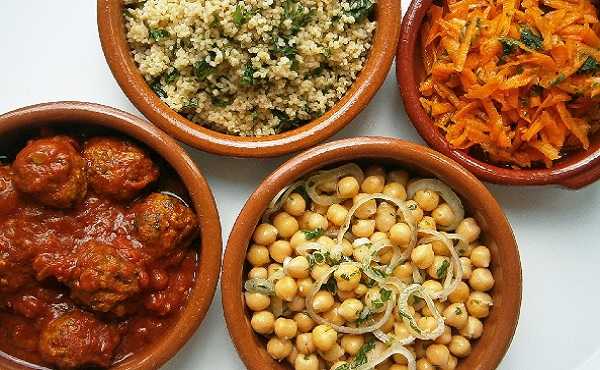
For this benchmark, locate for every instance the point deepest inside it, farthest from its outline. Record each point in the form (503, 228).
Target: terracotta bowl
(120, 60)
(499, 326)
(17, 126)
(576, 170)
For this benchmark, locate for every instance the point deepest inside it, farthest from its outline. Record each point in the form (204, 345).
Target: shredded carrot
(520, 79)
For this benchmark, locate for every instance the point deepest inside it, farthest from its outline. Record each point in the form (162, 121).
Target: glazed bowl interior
(178, 174)
(574, 170)
(120, 61)
(499, 327)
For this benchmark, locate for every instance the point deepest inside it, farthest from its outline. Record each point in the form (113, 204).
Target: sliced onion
(302, 249)
(409, 320)
(258, 285)
(280, 198)
(453, 276)
(391, 339)
(392, 350)
(314, 181)
(445, 192)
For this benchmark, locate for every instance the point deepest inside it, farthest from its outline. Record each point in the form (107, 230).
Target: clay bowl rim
(508, 272)
(575, 171)
(122, 65)
(209, 258)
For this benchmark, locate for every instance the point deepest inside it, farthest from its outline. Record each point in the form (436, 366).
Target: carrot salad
(519, 81)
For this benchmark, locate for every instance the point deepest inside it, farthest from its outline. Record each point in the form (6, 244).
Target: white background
(49, 51)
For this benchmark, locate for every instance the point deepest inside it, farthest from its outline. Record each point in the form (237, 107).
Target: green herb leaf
(385, 294)
(361, 357)
(241, 15)
(560, 78)
(313, 234)
(360, 9)
(590, 65)
(531, 39)
(331, 285)
(171, 76)
(248, 75)
(443, 269)
(285, 123)
(190, 105)
(202, 70)
(219, 102)
(158, 89)
(157, 34)
(364, 316)
(509, 45)
(457, 311)
(298, 14)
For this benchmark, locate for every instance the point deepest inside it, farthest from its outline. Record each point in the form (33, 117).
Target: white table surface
(49, 51)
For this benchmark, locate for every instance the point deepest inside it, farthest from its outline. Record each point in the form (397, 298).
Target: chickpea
(279, 250)
(399, 176)
(427, 222)
(422, 256)
(401, 359)
(323, 301)
(343, 295)
(350, 309)
(443, 215)
(361, 290)
(265, 234)
(460, 294)
(373, 184)
(305, 285)
(400, 330)
(437, 354)
(273, 269)
(306, 362)
(262, 322)
(292, 356)
(347, 277)
(400, 234)
(446, 336)
(319, 270)
(373, 295)
(428, 200)
(480, 256)
(439, 267)
(257, 301)
(473, 329)
(465, 264)
(305, 343)
(347, 187)
(363, 228)
(375, 170)
(415, 210)
(276, 305)
(316, 221)
(352, 343)
(322, 210)
(295, 204)
(404, 272)
(286, 288)
(298, 239)
(279, 348)
(361, 253)
(398, 367)
(297, 304)
(336, 214)
(258, 273)
(298, 267)
(423, 364)
(258, 255)
(439, 306)
(432, 286)
(468, 229)
(440, 248)
(347, 248)
(333, 354)
(326, 241)
(387, 326)
(367, 209)
(427, 323)
(385, 220)
(479, 304)
(333, 316)
(378, 235)
(395, 190)
(324, 337)
(285, 224)
(481, 279)
(456, 315)
(304, 322)
(465, 251)
(460, 346)
(452, 363)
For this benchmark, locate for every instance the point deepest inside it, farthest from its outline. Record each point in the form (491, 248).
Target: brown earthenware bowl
(78, 117)
(575, 170)
(499, 327)
(120, 60)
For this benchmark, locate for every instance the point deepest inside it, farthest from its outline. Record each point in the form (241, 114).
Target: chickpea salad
(250, 68)
(356, 269)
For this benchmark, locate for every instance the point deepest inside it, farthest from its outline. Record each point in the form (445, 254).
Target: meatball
(78, 339)
(101, 278)
(163, 223)
(51, 171)
(9, 198)
(117, 168)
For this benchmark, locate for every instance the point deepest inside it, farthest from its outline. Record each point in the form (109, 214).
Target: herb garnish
(313, 234)
(298, 14)
(457, 311)
(590, 65)
(443, 269)
(172, 75)
(331, 285)
(509, 45)
(385, 294)
(241, 15)
(157, 34)
(531, 39)
(248, 75)
(202, 69)
(157, 88)
(560, 78)
(360, 9)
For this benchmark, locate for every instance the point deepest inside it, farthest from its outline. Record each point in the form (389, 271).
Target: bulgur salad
(251, 67)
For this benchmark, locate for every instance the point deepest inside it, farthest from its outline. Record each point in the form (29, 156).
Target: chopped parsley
(202, 69)
(313, 234)
(457, 311)
(410, 321)
(360, 358)
(360, 9)
(190, 105)
(285, 122)
(509, 45)
(385, 294)
(364, 316)
(349, 276)
(331, 285)
(298, 14)
(590, 65)
(531, 39)
(248, 75)
(560, 78)
(219, 102)
(158, 34)
(171, 76)
(443, 269)
(158, 89)
(241, 15)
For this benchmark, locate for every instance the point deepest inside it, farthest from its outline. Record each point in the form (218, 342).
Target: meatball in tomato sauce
(51, 171)
(78, 339)
(118, 168)
(9, 198)
(163, 223)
